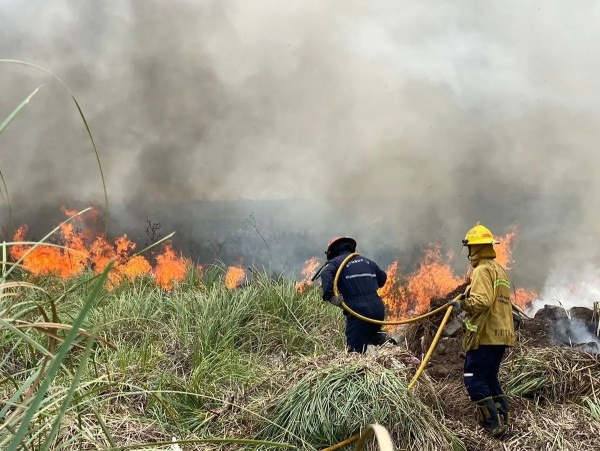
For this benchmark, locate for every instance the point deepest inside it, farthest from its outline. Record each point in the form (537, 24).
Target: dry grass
(552, 427)
(550, 409)
(552, 374)
(328, 399)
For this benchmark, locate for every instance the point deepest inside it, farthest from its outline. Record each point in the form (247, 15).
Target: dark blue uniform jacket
(360, 278)
(358, 284)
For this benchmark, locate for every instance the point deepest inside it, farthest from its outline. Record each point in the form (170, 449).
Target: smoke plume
(399, 122)
(571, 285)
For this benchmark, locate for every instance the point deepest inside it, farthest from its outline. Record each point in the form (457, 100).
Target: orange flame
(126, 266)
(523, 298)
(433, 279)
(234, 277)
(169, 268)
(46, 260)
(393, 293)
(310, 266)
(67, 212)
(83, 250)
(504, 248)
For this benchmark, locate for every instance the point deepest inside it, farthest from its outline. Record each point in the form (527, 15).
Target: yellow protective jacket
(488, 305)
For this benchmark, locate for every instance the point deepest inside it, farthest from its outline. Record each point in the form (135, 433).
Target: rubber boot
(503, 407)
(489, 416)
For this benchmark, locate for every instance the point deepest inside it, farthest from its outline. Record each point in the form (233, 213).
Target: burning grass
(197, 358)
(263, 359)
(410, 294)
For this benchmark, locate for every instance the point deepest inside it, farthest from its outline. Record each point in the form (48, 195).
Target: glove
(455, 304)
(337, 300)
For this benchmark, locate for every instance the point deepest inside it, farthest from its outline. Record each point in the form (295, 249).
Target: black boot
(489, 416)
(503, 407)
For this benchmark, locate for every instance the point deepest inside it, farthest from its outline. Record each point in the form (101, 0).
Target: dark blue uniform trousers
(481, 371)
(360, 333)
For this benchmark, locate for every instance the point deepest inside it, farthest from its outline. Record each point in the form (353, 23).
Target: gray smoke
(570, 286)
(402, 123)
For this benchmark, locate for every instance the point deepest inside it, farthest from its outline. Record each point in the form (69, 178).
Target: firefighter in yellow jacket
(489, 330)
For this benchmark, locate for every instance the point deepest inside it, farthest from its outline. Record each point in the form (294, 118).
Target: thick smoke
(402, 123)
(571, 286)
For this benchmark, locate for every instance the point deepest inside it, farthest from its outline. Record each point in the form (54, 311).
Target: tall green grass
(184, 362)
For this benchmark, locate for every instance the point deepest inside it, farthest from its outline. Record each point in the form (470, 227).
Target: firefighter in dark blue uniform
(358, 284)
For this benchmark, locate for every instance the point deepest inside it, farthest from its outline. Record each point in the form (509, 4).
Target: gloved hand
(455, 303)
(337, 301)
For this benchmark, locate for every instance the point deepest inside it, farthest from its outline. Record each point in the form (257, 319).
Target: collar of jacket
(342, 254)
(481, 252)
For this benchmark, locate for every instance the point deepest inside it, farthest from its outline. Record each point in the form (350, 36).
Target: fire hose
(425, 360)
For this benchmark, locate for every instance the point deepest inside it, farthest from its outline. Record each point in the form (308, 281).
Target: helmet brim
(478, 243)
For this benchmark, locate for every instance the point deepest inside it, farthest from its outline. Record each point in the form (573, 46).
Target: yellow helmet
(478, 235)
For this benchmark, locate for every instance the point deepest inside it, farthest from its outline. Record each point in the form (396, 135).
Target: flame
(46, 260)
(310, 266)
(433, 279)
(79, 249)
(169, 268)
(83, 249)
(135, 267)
(67, 212)
(393, 293)
(504, 248)
(234, 277)
(523, 298)
(127, 266)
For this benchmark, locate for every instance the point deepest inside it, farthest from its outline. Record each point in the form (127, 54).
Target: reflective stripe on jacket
(488, 307)
(361, 277)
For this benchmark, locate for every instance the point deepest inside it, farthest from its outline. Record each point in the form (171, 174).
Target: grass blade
(85, 122)
(16, 111)
(69, 397)
(4, 124)
(58, 360)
